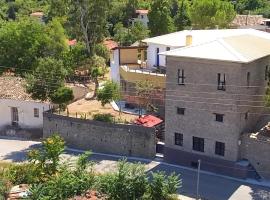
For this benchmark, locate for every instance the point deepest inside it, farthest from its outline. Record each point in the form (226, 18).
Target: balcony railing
(138, 69)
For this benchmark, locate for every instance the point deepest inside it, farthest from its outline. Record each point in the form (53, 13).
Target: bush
(23, 174)
(67, 183)
(47, 158)
(104, 117)
(162, 187)
(129, 182)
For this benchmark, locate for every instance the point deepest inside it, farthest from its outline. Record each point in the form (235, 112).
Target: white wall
(114, 63)
(152, 54)
(26, 113)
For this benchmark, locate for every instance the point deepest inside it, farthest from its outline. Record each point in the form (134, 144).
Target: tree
(211, 13)
(23, 42)
(160, 20)
(110, 92)
(62, 96)
(92, 18)
(102, 50)
(181, 19)
(127, 36)
(144, 90)
(46, 79)
(243, 6)
(97, 68)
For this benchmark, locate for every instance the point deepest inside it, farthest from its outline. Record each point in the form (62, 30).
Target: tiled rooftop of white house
(241, 48)
(12, 87)
(178, 39)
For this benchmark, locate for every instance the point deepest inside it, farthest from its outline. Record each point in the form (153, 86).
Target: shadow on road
(20, 156)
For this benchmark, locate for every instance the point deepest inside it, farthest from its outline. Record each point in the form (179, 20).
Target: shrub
(162, 187)
(22, 174)
(104, 117)
(67, 183)
(129, 182)
(47, 158)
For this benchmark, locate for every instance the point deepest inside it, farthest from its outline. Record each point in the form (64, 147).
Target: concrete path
(212, 187)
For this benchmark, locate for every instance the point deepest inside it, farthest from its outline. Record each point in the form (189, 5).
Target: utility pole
(198, 178)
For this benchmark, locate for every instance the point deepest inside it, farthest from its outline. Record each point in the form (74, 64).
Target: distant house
(257, 22)
(20, 115)
(142, 16)
(38, 15)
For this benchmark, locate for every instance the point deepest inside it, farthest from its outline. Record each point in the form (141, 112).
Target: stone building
(214, 94)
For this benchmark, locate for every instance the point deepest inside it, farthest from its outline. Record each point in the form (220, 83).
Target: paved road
(212, 187)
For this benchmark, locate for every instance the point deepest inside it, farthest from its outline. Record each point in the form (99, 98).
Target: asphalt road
(212, 187)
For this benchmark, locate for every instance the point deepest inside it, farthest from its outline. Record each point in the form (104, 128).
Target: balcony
(138, 72)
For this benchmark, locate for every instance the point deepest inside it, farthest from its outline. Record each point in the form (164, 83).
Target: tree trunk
(96, 87)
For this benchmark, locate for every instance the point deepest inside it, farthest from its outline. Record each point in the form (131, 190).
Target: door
(157, 59)
(14, 116)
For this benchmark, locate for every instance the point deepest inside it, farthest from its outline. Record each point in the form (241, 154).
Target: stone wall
(255, 147)
(126, 140)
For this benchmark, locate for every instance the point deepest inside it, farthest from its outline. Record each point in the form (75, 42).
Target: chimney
(188, 40)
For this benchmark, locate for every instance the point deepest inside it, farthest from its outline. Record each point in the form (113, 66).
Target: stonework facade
(217, 102)
(125, 140)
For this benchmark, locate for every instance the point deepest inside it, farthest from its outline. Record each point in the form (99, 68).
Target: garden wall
(126, 140)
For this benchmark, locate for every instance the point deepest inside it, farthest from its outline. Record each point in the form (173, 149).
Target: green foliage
(129, 182)
(162, 187)
(160, 20)
(206, 14)
(47, 158)
(110, 92)
(22, 174)
(127, 36)
(73, 57)
(103, 117)
(244, 6)
(62, 96)
(102, 51)
(89, 19)
(47, 78)
(181, 18)
(24, 42)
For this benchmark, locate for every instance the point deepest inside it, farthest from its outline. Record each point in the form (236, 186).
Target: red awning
(148, 121)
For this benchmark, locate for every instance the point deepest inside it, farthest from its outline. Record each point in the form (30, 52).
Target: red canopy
(148, 121)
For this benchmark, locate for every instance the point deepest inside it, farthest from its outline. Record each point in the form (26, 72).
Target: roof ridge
(231, 50)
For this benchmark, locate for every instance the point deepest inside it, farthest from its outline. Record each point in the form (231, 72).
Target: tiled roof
(140, 11)
(110, 44)
(12, 87)
(72, 42)
(37, 14)
(248, 20)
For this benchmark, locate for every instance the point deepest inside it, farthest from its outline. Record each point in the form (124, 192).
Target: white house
(19, 113)
(152, 59)
(142, 16)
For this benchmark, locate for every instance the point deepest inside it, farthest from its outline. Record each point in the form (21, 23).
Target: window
(180, 111)
(219, 117)
(220, 148)
(221, 82)
(157, 57)
(181, 77)
(142, 16)
(168, 48)
(198, 144)
(178, 139)
(248, 79)
(36, 112)
(246, 115)
(266, 73)
(14, 116)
